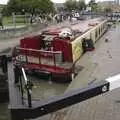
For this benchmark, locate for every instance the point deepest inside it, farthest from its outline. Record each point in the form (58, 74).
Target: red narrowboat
(54, 52)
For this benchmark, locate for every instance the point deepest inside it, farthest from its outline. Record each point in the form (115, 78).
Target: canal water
(4, 112)
(41, 90)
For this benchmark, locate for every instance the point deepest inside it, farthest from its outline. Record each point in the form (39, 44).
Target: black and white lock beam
(42, 107)
(114, 82)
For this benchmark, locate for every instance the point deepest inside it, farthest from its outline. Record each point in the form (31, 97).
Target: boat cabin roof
(82, 26)
(73, 30)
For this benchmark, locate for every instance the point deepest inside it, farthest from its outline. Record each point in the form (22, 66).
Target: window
(99, 31)
(96, 33)
(101, 28)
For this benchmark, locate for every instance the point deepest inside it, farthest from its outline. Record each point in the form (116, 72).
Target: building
(117, 2)
(110, 4)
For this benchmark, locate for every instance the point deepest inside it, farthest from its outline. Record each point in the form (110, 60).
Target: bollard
(4, 63)
(29, 98)
(29, 88)
(17, 74)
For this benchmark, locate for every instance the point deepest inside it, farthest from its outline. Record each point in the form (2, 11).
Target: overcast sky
(60, 1)
(56, 1)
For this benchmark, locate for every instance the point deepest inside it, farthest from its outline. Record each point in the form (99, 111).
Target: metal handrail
(28, 86)
(19, 72)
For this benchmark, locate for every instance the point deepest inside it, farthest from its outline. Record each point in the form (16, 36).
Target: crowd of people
(114, 16)
(60, 17)
(46, 18)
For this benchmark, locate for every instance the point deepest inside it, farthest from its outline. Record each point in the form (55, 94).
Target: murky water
(41, 90)
(4, 112)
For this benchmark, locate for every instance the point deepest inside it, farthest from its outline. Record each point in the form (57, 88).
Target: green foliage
(93, 5)
(1, 7)
(8, 21)
(5, 11)
(108, 9)
(74, 4)
(81, 4)
(70, 4)
(30, 6)
(92, 2)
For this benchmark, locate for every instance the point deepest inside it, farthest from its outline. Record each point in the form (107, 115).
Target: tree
(93, 5)
(75, 5)
(108, 9)
(81, 5)
(30, 6)
(70, 4)
(13, 6)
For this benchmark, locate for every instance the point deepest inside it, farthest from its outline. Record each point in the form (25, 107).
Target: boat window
(99, 31)
(101, 28)
(96, 33)
(91, 35)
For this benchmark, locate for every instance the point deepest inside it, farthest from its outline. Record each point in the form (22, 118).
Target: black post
(4, 63)
(21, 88)
(29, 98)
(17, 74)
(18, 80)
(29, 88)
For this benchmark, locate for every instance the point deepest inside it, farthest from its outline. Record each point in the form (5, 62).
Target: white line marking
(114, 82)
